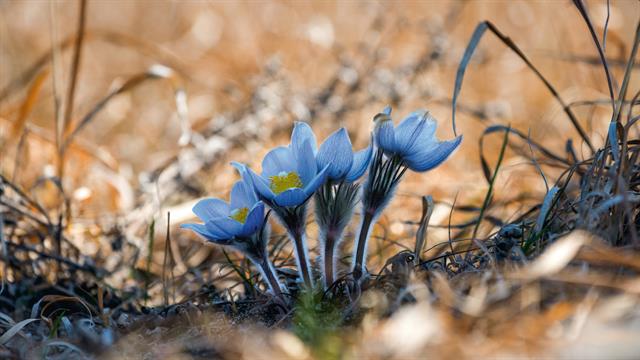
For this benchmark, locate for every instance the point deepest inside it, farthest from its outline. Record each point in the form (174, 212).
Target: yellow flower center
(284, 181)
(240, 215)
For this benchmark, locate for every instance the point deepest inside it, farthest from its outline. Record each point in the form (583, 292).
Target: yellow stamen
(284, 181)
(240, 215)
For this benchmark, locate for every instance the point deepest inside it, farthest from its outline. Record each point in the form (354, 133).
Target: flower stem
(329, 263)
(334, 209)
(302, 257)
(293, 219)
(361, 253)
(269, 274)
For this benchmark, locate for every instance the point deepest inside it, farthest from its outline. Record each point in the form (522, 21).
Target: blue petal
(242, 195)
(254, 221)
(209, 208)
(428, 159)
(426, 142)
(246, 172)
(361, 160)
(385, 136)
(246, 178)
(336, 152)
(291, 197)
(203, 231)
(301, 133)
(278, 160)
(412, 128)
(225, 226)
(317, 181)
(200, 229)
(306, 162)
(243, 171)
(261, 186)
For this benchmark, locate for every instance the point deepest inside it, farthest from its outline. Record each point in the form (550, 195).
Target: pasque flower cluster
(292, 175)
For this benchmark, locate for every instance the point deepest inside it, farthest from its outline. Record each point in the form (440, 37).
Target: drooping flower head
(335, 152)
(410, 145)
(413, 140)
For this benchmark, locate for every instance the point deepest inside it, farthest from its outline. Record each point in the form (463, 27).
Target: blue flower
(411, 145)
(223, 222)
(413, 140)
(289, 174)
(335, 199)
(241, 225)
(335, 152)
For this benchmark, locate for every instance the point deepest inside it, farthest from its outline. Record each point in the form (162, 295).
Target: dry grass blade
(75, 66)
(52, 299)
(151, 236)
(491, 180)
(421, 235)
(15, 329)
(556, 256)
(64, 344)
(600, 254)
(28, 103)
(547, 204)
(471, 46)
(154, 73)
(8, 321)
(606, 26)
(5, 254)
(111, 37)
(627, 76)
(167, 263)
(585, 15)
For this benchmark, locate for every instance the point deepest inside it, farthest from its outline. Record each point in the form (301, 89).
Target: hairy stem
(334, 209)
(302, 257)
(361, 253)
(269, 274)
(329, 263)
(293, 219)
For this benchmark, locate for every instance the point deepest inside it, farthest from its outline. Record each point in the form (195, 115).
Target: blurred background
(201, 83)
